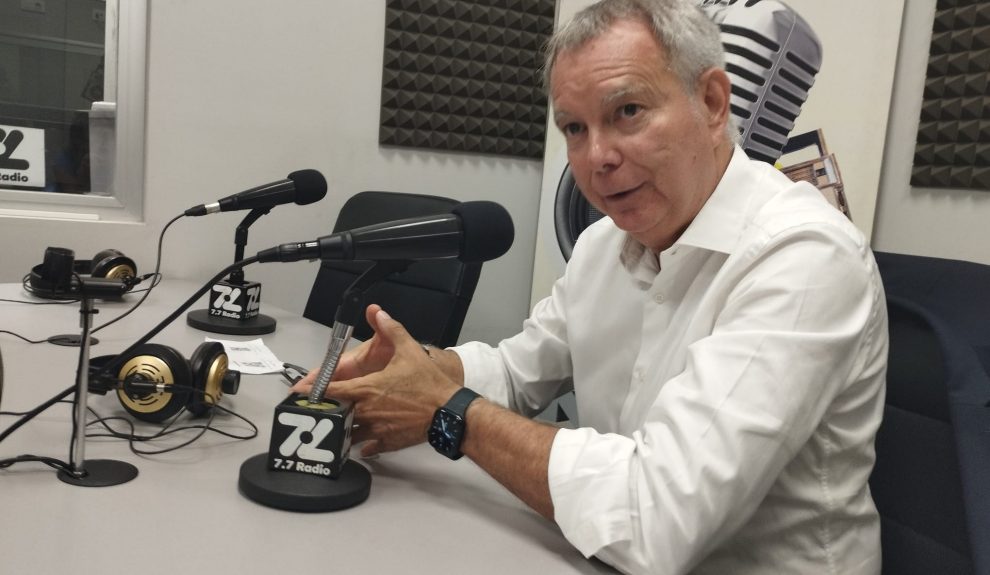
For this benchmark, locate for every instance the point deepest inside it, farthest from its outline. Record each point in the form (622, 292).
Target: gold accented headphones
(58, 275)
(157, 381)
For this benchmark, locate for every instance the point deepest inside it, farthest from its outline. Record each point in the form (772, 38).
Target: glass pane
(51, 73)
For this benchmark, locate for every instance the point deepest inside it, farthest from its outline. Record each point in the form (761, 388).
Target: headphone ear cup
(54, 274)
(211, 376)
(112, 264)
(159, 364)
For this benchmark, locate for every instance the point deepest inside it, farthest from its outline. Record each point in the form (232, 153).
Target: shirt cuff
(484, 371)
(589, 477)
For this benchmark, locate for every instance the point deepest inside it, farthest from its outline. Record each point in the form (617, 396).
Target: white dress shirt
(728, 390)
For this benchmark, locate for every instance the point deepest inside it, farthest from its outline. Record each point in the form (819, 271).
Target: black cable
(133, 438)
(28, 416)
(24, 281)
(156, 274)
(22, 337)
(49, 461)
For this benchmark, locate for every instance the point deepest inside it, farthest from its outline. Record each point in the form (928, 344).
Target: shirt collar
(717, 226)
(722, 219)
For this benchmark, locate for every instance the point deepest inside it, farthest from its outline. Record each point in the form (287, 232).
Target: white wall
(242, 92)
(921, 221)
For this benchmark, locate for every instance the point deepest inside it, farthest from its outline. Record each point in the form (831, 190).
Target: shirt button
(658, 298)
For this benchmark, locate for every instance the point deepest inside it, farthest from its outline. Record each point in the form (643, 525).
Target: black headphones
(155, 382)
(110, 273)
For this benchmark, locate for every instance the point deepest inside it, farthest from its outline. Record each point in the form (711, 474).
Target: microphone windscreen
(487, 230)
(311, 186)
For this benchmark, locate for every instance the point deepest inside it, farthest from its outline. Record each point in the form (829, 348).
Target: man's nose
(603, 152)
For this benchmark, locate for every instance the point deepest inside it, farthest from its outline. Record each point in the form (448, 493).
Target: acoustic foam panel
(465, 75)
(953, 146)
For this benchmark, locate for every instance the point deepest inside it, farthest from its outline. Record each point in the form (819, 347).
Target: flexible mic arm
(240, 240)
(348, 312)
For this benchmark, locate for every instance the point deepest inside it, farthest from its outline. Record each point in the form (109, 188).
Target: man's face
(642, 150)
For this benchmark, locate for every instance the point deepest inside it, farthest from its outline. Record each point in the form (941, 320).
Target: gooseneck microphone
(472, 232)
(302, 187)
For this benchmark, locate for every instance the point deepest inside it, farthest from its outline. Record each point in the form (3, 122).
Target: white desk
(184, 514)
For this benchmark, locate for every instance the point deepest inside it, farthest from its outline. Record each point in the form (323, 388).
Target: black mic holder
(239, 300)
(316, 475)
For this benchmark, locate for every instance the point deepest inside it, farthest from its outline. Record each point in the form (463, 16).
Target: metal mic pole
(96, 472)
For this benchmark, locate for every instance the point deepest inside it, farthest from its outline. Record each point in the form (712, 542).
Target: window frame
(125, 72)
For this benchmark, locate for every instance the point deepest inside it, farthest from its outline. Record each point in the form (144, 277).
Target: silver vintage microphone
(772, 56)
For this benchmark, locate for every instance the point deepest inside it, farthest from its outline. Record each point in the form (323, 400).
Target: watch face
(446, 432)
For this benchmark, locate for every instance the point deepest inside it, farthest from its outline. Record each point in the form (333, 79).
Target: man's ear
(713, 93)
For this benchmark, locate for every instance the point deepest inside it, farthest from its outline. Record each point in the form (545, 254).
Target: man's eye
(571, 129)
(629, 110)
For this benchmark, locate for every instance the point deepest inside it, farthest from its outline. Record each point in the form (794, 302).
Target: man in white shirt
(724, 331)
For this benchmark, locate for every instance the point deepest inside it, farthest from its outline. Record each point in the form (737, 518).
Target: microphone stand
(294, 491)
(246, 300)
(95, 472)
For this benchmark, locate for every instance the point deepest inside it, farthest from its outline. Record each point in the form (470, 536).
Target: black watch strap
(459, 402)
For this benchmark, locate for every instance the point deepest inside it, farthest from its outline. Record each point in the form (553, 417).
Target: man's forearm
(509, 447)
(512, 449)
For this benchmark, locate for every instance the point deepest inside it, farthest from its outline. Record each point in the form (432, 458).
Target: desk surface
(184, 513)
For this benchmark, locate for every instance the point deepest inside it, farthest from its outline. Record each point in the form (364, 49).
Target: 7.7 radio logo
(235, 300)
(22, 157)
(308, 434)
(10, 141)
(311, 438)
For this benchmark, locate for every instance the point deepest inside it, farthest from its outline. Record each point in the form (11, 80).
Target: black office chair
(430, 298)
(916, 483)
(932, 479)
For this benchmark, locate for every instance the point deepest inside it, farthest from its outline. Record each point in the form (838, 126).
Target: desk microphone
(311, 435)
(302, 187)
(472, 232)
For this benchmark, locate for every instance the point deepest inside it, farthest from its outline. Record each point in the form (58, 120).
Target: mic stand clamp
(235, 303)
(95, 472)
(307, 466)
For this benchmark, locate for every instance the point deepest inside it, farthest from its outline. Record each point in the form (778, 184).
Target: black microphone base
(70, 340)
(101, 473)
(259, 324)
(300, 492)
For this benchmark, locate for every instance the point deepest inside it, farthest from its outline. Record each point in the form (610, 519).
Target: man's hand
(371, 356)
(394, 405)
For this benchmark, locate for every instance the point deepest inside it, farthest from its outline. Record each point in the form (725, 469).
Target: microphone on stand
(307, 467)
(302, 187)
(235, 303)
(472, 232)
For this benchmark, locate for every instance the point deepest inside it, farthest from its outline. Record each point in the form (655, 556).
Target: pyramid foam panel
(953, 144)
(464, 75)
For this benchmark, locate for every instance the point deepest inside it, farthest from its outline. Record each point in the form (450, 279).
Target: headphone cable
(155, 274)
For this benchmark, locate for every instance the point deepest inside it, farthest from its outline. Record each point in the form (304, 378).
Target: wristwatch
(447, 430)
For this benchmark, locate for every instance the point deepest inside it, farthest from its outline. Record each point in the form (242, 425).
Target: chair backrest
(917, 484)
(430, 298)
